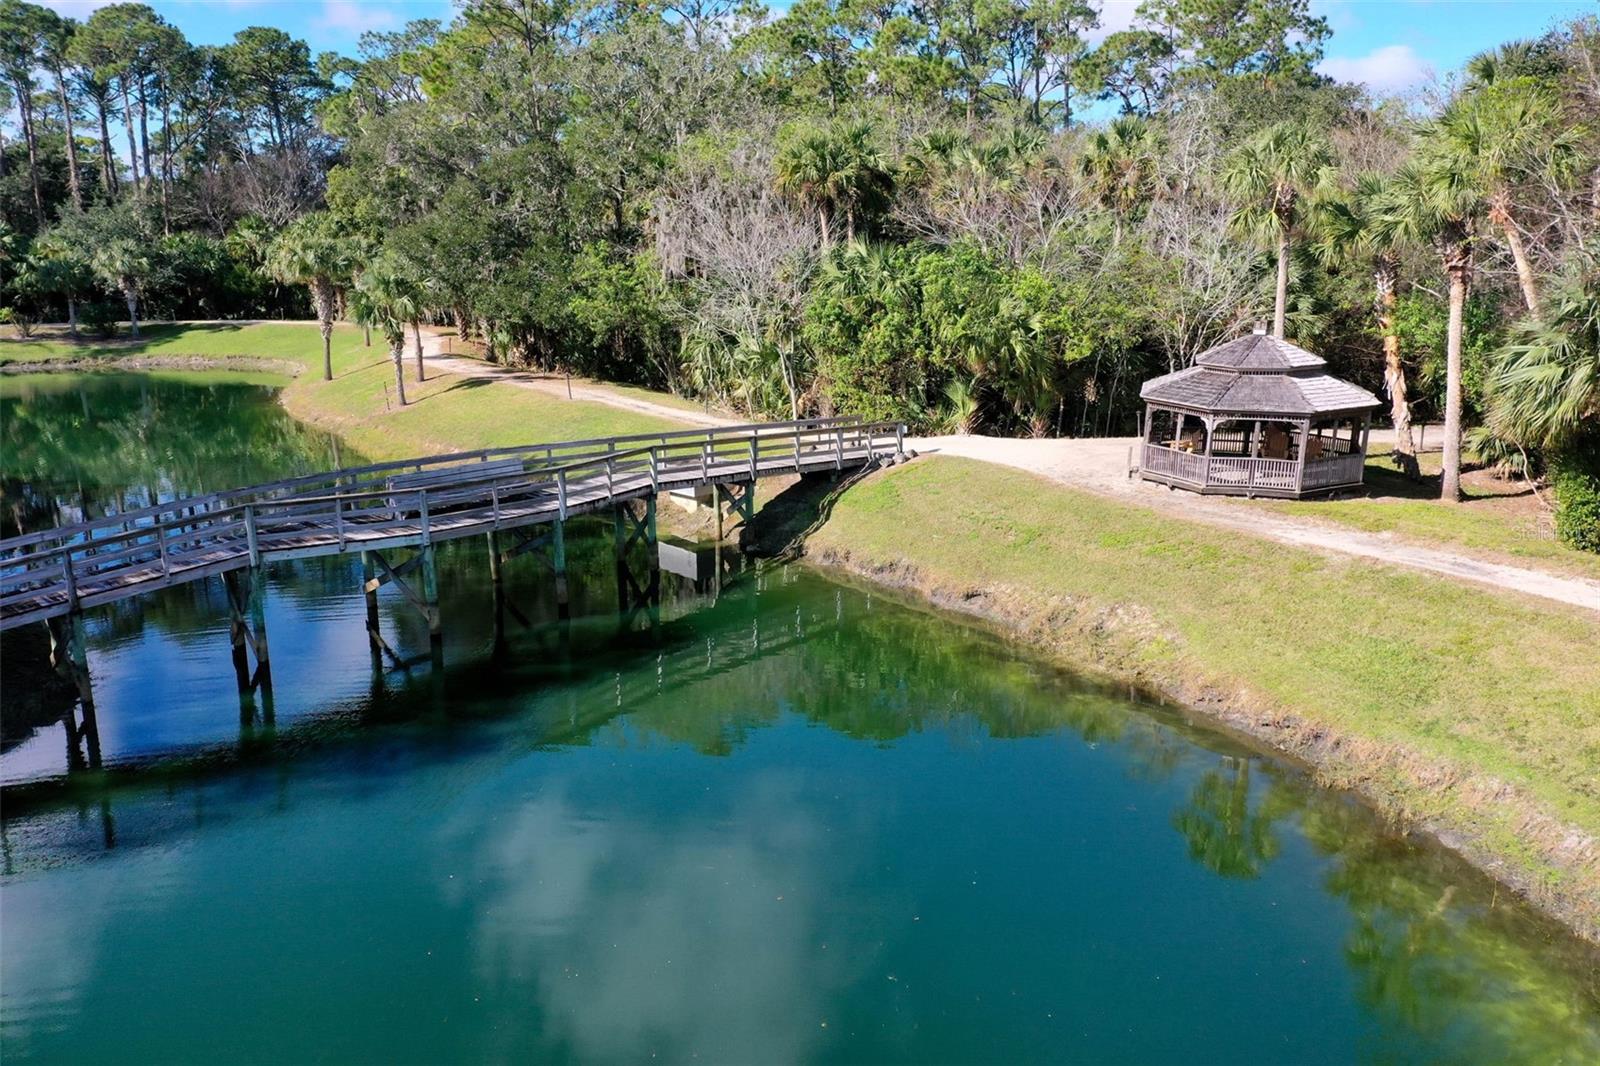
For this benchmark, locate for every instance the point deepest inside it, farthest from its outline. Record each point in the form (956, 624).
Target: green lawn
(1434, 681)
(447, 413)
(1488, 523)
(294, 341)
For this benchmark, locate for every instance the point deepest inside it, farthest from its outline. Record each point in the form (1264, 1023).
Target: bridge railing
(533, 457)
(319, 514)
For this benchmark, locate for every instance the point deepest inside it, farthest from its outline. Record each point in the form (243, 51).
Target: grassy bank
(448, 412)
(1474, 712)
(1497, 520)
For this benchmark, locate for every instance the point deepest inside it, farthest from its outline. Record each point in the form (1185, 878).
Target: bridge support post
(740, 503)
(70, 657)
(377, 572)
(634, 595)
(369, 589)
(248, 632)
(430, 594)
(258, 619)
(558, 563)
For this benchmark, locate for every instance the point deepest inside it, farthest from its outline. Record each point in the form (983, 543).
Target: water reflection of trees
(1227, 833)
(1431, 938)
(104, 440)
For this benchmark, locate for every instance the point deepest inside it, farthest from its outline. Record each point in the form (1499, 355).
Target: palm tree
(122, 264)
(383, 298)
(1349, 229)
(1545, 388)
(865, 180)
(806, 169)
(1270, 175)
(1503, 131)
(1432, 200)
(839, 170)
(930, 154)
(58, 268)
(309, 252)
(1119, 164)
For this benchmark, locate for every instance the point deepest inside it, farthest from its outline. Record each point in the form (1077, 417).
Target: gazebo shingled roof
(1258, 374)
(1254, 383)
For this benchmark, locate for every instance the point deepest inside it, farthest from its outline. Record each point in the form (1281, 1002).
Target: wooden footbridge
(519, 498)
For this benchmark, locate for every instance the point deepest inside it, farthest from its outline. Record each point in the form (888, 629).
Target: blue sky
(1388, 44)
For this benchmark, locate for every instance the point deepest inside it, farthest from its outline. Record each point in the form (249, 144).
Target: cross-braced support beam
(549, 544)
(637, 592)
(248, 629)
(69, 656)
(739, 500)
(377, 571)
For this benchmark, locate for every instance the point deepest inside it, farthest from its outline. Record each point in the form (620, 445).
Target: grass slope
(1426, 683)
(1488, 523)
(447, 412)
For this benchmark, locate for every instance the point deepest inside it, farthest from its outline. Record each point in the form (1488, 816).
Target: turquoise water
(792, 822)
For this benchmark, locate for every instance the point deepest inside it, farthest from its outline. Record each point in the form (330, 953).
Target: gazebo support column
(1300, 457)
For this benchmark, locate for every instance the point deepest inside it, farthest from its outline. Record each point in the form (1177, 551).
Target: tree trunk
(72, 143)
(1280, 306)
(1519, 256)
(397, 352)
(366, 335)
(133, 142)
(72, 317)
(108, 175)
(166, 161)
(1394, 373)
(416, 335)
(25, 112)
(144, 134)
(132, 298)
(325, 299)
(822, 216)
(1450, 484)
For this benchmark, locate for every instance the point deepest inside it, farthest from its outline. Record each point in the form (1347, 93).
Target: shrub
(1575, 475)
(100, 317)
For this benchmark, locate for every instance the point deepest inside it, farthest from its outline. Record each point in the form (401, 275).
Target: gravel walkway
(1101, 465)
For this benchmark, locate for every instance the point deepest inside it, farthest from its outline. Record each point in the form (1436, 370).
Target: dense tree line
(890, 208)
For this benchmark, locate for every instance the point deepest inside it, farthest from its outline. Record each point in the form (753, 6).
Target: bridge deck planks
(199, 542)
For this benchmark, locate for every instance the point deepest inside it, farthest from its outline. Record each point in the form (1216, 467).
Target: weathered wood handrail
(46, 573)
(377, 471)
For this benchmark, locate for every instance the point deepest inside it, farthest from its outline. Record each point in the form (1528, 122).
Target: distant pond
(793, 821)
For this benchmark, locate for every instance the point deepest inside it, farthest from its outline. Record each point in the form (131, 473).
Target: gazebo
(1255, 416)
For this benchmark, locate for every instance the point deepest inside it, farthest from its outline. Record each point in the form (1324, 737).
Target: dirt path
(1102, 466)
(557, 385)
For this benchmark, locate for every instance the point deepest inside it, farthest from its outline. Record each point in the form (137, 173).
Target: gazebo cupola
(1255, 416)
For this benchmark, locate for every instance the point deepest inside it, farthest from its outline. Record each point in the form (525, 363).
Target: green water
(792, 822)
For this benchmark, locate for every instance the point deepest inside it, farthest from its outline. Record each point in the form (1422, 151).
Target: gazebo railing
(1339, 470)
(1251, 473)
(1173, 462)
(1244, 474)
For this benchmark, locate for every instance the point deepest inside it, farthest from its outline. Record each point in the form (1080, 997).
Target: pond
(793, 821)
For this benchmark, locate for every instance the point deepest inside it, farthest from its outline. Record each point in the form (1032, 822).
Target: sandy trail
(1101, 465)
(557, 385)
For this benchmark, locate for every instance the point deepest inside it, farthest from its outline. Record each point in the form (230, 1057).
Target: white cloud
(77, 9)
(1114, 15)
(355, 16)
(1392, 68)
